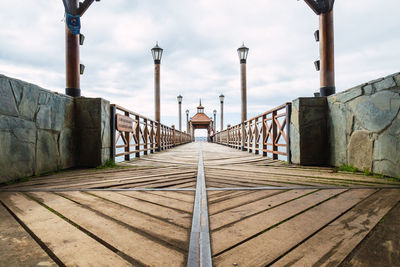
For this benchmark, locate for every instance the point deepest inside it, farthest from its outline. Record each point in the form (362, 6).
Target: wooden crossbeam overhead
(320, 6)
(73, 9)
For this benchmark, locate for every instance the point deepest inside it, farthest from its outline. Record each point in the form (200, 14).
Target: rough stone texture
(94, 144)
(308, 131)
(42, 131)
(360, 150)
(364, 131)
(362, 128)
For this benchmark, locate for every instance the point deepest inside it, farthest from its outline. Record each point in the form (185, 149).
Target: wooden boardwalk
(261, 212)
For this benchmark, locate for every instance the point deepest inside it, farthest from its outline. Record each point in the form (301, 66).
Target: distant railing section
(132, 133)
(265, 133)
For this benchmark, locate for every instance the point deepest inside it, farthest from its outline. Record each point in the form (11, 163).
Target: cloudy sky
(200, 39)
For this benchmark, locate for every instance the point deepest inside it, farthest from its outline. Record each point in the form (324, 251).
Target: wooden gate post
(274, 135)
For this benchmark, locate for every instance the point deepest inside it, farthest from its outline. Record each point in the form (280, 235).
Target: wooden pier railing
(132, 133)
(265, 133)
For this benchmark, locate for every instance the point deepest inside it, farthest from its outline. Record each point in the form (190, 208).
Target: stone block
(397, 79)
(89, 147)
(376, 112)
(368, 89)
(308, 131)
(58, 106)
(8, 105)
(347, 95)
(48, 155)
(67, 145)
(43, 117)
(337, 133)
(29, 99)
(17, 148)
(88, 112)
(360, 150)
(386, 83)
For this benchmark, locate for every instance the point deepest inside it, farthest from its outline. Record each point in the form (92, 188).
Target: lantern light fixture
(157, 53)
(243, 52)
(221, 98)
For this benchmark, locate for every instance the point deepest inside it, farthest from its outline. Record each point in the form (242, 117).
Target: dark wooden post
(137, 154)
(72, 70)
(324, 8)
(128, 144)
(152, 138)
(264, 135)
(243, 135)
(113, 111)
(274, 135)
(72, 62)
(173, 136)
(256, 135)
(288, 114)
(327, 58)
(145, 136)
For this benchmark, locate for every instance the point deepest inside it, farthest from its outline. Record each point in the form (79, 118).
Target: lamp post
(243, 52)
(179, 97)
(157, 54)
(74, 10)
(324, 8)
(221, 99)
(215, 120)
(187, 121)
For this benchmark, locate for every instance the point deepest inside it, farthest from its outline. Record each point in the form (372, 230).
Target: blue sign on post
(73, 23)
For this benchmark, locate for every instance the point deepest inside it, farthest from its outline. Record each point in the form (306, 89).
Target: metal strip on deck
(199, 246)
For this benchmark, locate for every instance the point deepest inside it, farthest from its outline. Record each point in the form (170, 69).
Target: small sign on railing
(124, 123)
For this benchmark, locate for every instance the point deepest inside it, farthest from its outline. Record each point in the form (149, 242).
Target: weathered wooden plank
(180, 218)
(278, 240)
(17, 247)
(237, 213)
(71, 246)
(133, 244)
(331, 245)
(227, 237)
(163, 230)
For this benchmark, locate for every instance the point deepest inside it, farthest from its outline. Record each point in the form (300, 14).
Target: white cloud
(200, 39)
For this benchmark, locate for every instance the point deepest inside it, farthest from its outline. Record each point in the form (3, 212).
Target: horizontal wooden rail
(132, 133)
(266, 133)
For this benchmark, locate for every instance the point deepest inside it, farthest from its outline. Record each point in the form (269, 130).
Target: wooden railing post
(145, 136)
(288, 114)
(264, 135)
(256, 137)
(274, 135)
(128, 145)
(173, 136)
(137, 154)
(251, 136)
(158, 136)
(113, 111)
(244, 136)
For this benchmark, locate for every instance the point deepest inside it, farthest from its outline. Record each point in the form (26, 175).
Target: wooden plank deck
(261, 212)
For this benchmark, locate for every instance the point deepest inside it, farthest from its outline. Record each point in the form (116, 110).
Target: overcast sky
(200, 39)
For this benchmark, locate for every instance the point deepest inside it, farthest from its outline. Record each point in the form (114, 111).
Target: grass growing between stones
(108, 164)
(348, 168)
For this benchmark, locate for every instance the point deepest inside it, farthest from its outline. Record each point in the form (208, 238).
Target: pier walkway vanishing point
(201, 204)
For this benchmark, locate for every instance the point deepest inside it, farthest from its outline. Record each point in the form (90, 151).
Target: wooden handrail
(147, 136)
(262, 134)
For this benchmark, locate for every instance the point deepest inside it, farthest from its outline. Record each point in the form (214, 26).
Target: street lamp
(179, 97)
(215, 120)
(221, 99)
(243, 51)
(157, 54)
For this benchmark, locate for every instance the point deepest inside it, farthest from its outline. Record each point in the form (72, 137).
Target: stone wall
(43, 131)
(364, 126)
(358, 127)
